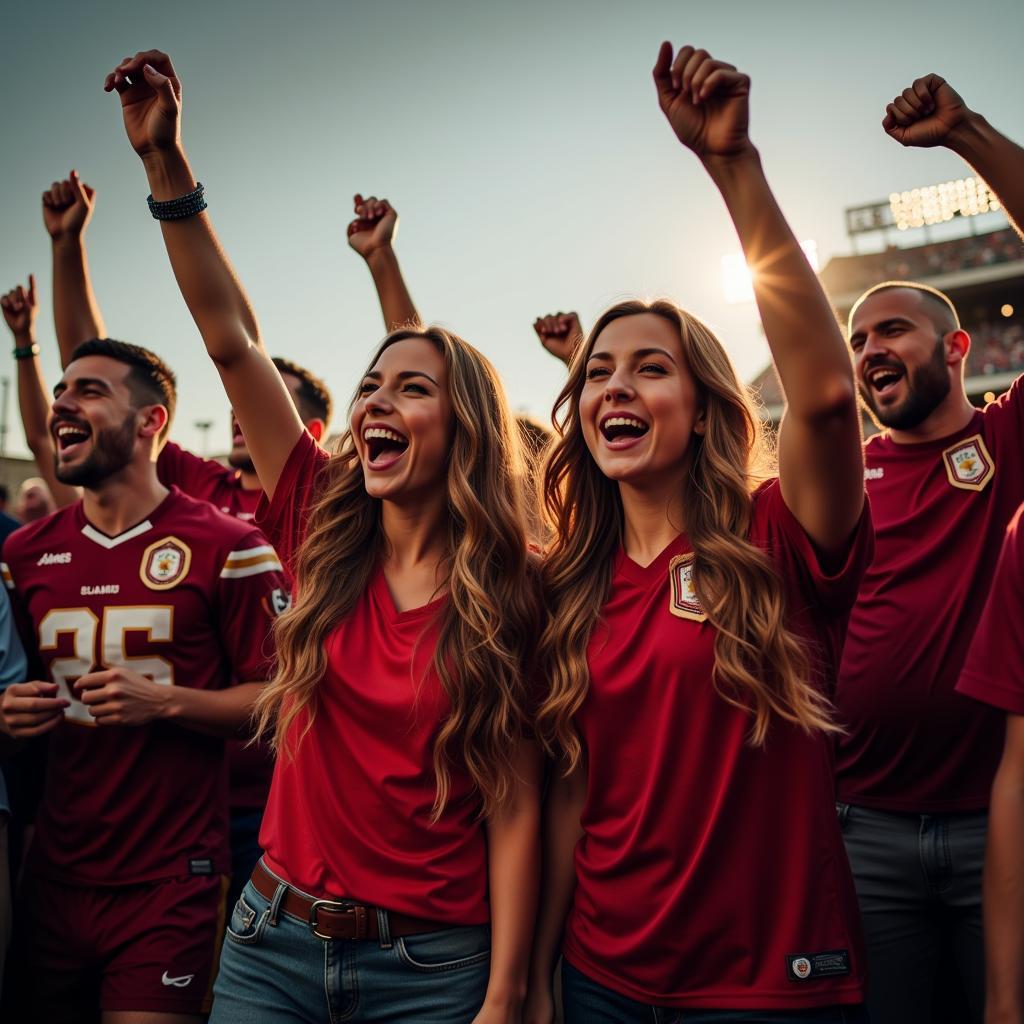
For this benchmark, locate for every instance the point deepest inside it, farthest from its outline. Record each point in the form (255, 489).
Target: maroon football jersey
(913, 744)
(187, 598)
(994, 670)
(207, 480)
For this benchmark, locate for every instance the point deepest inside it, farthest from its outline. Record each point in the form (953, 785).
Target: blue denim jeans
(274, 970)
(586, 1002)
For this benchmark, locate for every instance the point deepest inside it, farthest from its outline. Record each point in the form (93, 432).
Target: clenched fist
(150, 100)
(926, 113)
(374, 227)
(705, 100)
(559, 333)
(20, 307)
(67, 207)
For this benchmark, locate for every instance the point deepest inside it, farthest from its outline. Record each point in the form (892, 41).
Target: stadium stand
(984, 276)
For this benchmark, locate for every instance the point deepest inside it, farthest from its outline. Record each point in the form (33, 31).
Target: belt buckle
(338, 907)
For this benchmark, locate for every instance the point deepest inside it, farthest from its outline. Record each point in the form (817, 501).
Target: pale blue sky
(521, 143)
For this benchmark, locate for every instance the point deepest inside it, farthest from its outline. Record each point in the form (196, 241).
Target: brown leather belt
(338, 919)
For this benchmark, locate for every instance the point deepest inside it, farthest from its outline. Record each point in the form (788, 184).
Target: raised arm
(371, 234)
(559, 333)
(67, 209)
(932, 113)
(20, 308)
(821, 470)
(151, 103)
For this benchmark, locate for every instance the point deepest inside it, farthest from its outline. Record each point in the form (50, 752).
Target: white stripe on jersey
(104, 541)
(250, 562)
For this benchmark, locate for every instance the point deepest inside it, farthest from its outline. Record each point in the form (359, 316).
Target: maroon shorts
(137, 947)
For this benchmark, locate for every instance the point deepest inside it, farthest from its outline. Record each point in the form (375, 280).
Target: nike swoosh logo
(182, 982)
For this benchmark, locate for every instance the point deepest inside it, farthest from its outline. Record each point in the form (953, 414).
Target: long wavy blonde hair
(491, 615)
(760, 666)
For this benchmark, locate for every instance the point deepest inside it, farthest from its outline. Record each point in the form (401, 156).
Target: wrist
(169, 173)
(381, 259)
(725, 168)
(969, 135)
(25, 339)
(71, 241)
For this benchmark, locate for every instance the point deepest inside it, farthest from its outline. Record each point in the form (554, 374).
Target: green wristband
(27, 352)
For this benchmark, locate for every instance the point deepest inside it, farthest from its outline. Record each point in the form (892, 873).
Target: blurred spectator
(34, 500)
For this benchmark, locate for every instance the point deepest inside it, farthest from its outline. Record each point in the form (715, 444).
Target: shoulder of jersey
(241, 549)
(57, 526)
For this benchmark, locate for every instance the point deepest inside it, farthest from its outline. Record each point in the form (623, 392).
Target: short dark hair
(5, 495)
(151, 381)
(314, 398)
(940, 302)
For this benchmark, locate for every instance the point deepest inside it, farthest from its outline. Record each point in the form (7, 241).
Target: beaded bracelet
(178, 209)
(27, 352)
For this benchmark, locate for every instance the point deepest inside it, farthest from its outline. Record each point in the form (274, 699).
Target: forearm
(807, 347)
(212, 292)
(396, 303)
(998, 160)
(225, 712)
(76, 313)
(562, 832)
(1004, 901)
(34, 406)
(513, 863)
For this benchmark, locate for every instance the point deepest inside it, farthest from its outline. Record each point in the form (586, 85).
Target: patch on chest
(684, 602)
(969, 465)
(165, 564)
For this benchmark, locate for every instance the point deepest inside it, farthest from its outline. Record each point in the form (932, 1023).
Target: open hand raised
(20, 307)
(67, 207)
(374, 227)
(559, 333)
(925, 113)
(150, 100)
(705, 101)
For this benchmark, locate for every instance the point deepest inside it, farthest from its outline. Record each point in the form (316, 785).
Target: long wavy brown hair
(760, 666)
(490, 618)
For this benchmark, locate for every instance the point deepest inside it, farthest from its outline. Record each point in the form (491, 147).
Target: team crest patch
(968, 464)
(684, 602)
(165, 564)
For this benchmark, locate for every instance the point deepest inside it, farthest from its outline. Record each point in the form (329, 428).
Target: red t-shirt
(349, 813)
(994, 669)
(940, 509)
(250, 764)
(185, 597)
(711, 874)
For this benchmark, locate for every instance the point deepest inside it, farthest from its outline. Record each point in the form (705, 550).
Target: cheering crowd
(731, 727)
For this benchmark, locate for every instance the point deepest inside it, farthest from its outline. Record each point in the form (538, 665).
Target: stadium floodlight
(738, 276)
(935, 204)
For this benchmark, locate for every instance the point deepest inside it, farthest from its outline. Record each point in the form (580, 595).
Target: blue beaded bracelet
(178, 209)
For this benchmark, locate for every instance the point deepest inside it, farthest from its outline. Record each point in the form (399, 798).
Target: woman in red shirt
(401, 833)
(694, 866)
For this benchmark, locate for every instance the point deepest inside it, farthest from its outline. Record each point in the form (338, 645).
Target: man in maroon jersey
(68, 207)
(916, 763)
(149, 614)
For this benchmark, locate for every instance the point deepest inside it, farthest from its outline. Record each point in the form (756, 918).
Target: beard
(113, 449)
(927, 388)
(241, 460)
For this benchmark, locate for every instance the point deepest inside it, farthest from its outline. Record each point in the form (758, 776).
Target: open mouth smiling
(883, 379)
(384, 446)
(68, 435)
(621, 430)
